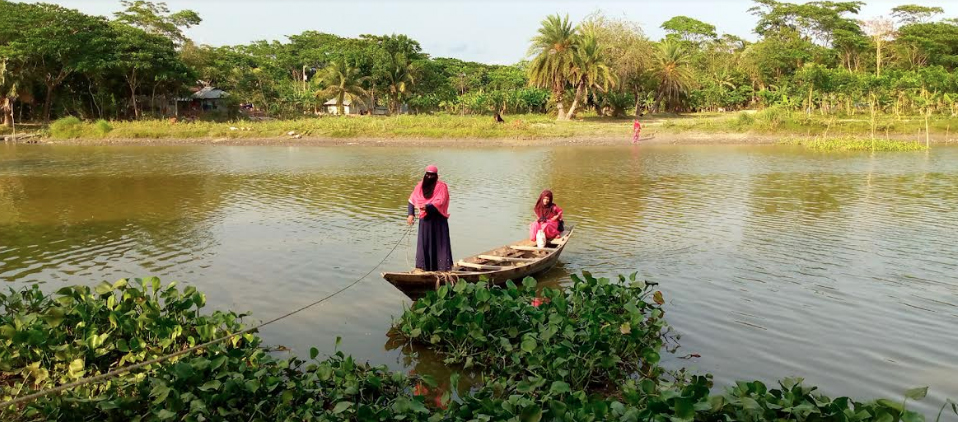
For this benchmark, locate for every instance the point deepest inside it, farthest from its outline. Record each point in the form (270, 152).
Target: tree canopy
(819, 56)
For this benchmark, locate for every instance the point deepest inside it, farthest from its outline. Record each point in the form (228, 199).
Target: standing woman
(430, 200)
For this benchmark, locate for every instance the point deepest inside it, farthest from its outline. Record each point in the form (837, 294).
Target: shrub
(66, 128)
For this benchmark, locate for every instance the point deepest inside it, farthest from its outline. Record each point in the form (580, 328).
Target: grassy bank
(589, 353)
(848, 144)
(765, 123)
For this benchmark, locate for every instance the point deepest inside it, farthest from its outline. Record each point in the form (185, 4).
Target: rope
(119, 371)
(443, 277)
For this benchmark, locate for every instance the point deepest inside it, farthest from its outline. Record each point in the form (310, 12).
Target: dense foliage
(818, 57)
(560, 336)
(608, 329)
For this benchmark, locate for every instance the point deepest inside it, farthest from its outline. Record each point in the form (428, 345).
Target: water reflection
(774, 261)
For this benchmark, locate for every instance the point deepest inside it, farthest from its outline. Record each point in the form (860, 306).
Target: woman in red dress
(548, 217)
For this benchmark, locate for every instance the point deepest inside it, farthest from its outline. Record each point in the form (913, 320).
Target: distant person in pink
(548, 217)
(636, 130)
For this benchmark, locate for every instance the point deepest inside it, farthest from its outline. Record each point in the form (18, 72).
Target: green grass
(855, 144)
(771, 121)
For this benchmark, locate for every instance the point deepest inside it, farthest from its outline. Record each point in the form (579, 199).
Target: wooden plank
(506, 258)
(478, 267)
(531, 248)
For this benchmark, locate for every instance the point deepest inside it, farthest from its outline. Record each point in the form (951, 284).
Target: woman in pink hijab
(430, 201)
(548, 217)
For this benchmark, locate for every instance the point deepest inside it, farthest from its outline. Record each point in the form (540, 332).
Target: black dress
(433, 250)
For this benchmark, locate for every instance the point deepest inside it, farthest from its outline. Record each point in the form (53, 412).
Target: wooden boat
(514, 261)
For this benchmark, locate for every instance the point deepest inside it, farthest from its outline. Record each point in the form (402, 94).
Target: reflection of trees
(79, 221)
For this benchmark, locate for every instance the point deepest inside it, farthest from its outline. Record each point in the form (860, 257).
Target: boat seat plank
(506, 258)
(531, 248)
(478, 266)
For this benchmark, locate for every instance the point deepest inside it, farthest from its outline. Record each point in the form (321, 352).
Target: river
(774, 261)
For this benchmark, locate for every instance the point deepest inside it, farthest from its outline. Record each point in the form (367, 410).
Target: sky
(488, 31)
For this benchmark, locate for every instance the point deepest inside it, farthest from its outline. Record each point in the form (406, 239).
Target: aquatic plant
(594, 333)
(853, 144)
(46, 340)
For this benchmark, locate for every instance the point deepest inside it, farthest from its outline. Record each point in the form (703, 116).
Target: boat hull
(516, 261)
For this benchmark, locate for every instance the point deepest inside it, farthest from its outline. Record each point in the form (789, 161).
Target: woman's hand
(410, 219)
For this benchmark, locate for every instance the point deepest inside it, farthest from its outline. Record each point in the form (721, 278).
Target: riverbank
(764, 127)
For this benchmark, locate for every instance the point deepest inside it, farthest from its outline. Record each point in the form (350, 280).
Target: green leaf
(529, 283)
(119, 284)
(54, 317)
(341, 407)
(155, 282)
(210, 385)
(684, 409)
(415, 333)
(104, 288)
(911, 416)
(891, 405)
(313, 352)
(528, 344)
(159, 393)
(749, 403)
(76, 368)
(559, 387)
(531, 414)
(917, 393)
(164, 414)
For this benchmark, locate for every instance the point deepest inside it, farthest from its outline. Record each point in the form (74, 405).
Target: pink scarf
(440, 199)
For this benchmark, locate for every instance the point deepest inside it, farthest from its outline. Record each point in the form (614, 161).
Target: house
(348, 107)
(204, 100)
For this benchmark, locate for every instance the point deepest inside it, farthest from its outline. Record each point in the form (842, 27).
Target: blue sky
(490, 31)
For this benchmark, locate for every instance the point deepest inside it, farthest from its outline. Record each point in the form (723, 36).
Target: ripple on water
(774, 262)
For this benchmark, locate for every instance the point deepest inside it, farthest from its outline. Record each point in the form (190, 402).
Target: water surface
(842, 269)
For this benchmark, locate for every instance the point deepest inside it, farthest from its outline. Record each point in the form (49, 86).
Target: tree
(911, 13)
(815, 21)
(9, 89)
(554, 55)
(141, 56)
(400, 77)
(157, 19)
(690, 30)
(54, 42)
(591, 69)
(881, 30)
(342, 82)
(929, 44)
(629, 55)
(673, 73)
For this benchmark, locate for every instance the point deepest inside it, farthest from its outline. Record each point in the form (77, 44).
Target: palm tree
(342, 82)
(591, 69)
(673, 72)
(554, 51)
(400, 77)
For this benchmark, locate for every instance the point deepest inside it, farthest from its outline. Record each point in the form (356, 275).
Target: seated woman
(548, 218)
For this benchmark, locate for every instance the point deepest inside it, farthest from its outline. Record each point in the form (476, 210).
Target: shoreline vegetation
(819, 75)
(512, 347)
(770, 126)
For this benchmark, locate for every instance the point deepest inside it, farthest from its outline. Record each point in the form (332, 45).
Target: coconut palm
(673, 73)
(400, 77)
(342, 82)
(554, 56)
(591, 69)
